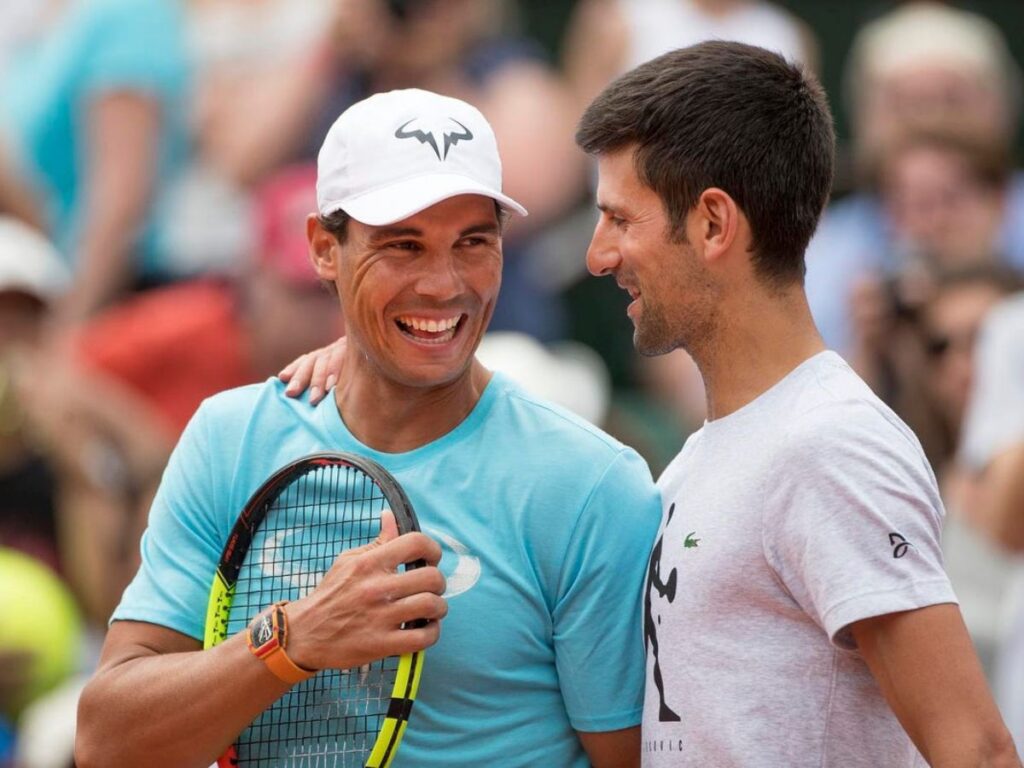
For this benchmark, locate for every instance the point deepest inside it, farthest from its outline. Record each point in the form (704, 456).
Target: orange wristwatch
(268, 638)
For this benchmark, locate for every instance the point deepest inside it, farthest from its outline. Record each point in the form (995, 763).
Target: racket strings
(332, 719)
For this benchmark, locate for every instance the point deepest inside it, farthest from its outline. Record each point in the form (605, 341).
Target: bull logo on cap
(451, 137)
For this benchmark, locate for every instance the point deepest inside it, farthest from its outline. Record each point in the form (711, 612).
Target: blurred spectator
(457, 47)
(922, 67)
(927, 65)
(113, 406)
(32, 277)
(245, 55)
(949, 323)
(944, 196)
(90, 122)
(992, 451)
(608, 37)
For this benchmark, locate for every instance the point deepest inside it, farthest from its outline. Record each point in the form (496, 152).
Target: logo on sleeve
(691, 543)
(899, 544)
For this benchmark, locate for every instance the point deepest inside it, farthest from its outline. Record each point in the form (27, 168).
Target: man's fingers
(413, 639)
(418, 580)
(318, 378)
(316, 371)
(300, 376)
(285, 374)
(423, 605)
(336, 360)
(407, 549)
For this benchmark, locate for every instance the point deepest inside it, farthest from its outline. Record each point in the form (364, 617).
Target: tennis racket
(282, 544)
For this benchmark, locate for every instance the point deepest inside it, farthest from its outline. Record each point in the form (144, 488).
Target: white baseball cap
(29, 263)
(395, 154)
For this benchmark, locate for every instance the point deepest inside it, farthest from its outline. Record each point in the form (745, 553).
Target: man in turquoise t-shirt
(93, 120)
(540, 523)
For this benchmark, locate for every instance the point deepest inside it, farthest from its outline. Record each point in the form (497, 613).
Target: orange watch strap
(273, 654)
(284, 668)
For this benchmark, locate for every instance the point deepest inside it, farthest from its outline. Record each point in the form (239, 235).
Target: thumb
(388, 527)
(388, 532)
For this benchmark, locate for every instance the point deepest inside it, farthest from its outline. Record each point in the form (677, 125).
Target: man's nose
(602, 254)
(439, 277)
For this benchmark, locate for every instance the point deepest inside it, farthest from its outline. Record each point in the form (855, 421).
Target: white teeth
(431, 326)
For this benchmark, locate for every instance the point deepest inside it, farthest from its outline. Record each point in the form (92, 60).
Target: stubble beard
(687, 323)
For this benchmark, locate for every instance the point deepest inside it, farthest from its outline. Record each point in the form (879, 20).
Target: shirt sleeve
(137, 45)
(852, 524)
(995, 416)
(182, 544)
(597, 615)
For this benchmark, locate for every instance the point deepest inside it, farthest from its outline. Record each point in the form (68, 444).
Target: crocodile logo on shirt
(691, 543)
(899, 545)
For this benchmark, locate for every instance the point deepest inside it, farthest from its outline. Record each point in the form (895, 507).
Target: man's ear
(719, 222)
(324, 250)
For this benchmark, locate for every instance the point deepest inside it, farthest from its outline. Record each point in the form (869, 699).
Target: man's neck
(394, 418)
(756, 344)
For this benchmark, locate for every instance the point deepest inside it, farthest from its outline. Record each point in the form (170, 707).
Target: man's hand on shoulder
(316, 371)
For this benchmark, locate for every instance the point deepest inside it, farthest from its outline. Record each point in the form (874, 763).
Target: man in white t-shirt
(797, 611)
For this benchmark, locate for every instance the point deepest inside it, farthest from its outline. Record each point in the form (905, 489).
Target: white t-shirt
(808, 509)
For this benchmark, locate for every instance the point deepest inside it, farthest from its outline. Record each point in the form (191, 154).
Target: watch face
(263, 632)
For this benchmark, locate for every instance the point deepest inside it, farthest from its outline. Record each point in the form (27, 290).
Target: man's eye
(403, 245)
(615, 221)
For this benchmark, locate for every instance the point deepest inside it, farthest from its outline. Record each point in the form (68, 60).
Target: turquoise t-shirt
(546, 524)
(96, 46)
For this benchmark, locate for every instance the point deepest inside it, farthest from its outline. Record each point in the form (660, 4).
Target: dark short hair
(337, 221)
(727, 115)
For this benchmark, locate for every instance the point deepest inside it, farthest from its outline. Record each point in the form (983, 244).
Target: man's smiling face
(418, 294)
(671, 290)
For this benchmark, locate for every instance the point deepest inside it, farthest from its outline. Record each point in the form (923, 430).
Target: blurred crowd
(157, 162)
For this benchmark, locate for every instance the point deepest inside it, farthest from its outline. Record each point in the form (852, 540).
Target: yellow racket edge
(403, 693)
(218, 610)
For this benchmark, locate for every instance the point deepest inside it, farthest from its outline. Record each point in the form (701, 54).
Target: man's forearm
(973, 750)
(176, 710)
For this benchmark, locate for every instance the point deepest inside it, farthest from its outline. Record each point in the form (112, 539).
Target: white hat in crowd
(395, 154)
(29, 263)
(568, 373)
